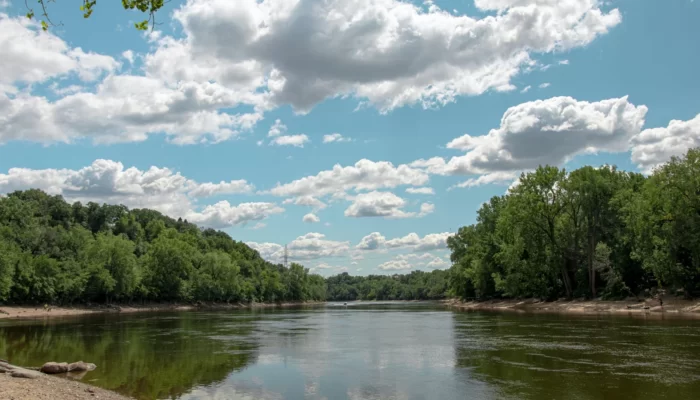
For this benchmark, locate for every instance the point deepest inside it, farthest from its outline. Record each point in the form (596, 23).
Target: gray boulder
(80, 366)
(54, 368)
(25, 373)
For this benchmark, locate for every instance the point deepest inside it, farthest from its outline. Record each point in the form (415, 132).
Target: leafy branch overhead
(88, 6)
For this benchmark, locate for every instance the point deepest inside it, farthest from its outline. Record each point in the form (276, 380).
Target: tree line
(417, 285)
(55, 252)
(593, 232)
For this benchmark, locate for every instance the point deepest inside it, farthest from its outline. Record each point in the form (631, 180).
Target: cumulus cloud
(389, 52)
(290, 140)
(311, 246)
(30, 55)
(107, 181)
(414, 260)
(327, 269)
(543, 132)
(395, 265)
(277, 129)
(383, 204)
(126, 108)
(308, 201)
(657, 145)
(420, 190)
(373, 241)
(223, 214)
(429, 242)
(494, 178)
(335, 138)
(231, 187)
(128, 56)
(364, 175)
(259, 55)
(311, 218)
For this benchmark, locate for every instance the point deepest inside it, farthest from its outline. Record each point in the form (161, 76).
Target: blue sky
(180, 119)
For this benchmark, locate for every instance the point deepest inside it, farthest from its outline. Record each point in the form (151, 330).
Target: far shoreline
(38, 311)
(672, 307)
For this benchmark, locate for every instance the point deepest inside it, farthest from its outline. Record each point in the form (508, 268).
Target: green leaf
(44, 26)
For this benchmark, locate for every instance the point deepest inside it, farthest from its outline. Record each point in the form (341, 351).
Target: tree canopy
(55, 252)
(592, 232)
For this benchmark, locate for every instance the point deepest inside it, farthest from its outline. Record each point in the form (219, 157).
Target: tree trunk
(566, 279)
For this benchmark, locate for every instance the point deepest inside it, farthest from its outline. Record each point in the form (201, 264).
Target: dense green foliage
(417, 285)
(592, 232)
(54, 252)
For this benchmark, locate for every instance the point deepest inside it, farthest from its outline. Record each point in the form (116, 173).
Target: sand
(51, 388)
(7, 312)
(648, 307)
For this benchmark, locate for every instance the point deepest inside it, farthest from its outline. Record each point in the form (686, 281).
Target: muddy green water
(370, 351)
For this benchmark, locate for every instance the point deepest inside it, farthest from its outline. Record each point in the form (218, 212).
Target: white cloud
(383, 204)
(564, 62)
(290, 140)
(31, 55)
(129, 56)
(364, 175)
(395, 265)
(308, 201)
(429, 242)
(126, 108)
(258, 225)
(373, 241)
(388, 52)
(311, 246)
(657, 145)
(107, 181)
(223, 214)
(277, 129)
(414, 260)
(526, 89)
(231, 187)
(543, 132)
(335, 138)
(311, 218)
(420, 190)
(264, 54)
(327, 269)
(544, 85)
(438, 263)
(494, 178)
(433, 241)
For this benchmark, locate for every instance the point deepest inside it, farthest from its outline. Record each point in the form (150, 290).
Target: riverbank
(47, 387)
(7, 312)
(671, 306)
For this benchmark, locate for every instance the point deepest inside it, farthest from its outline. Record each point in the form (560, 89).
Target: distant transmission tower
(285, 256)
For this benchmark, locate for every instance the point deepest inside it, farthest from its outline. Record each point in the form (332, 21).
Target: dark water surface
(370, 351)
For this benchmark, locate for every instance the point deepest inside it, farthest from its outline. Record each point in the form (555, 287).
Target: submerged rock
(54, 368)
(80, 366)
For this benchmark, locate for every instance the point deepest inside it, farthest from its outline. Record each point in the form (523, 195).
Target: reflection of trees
(556, 357)
(144, 356)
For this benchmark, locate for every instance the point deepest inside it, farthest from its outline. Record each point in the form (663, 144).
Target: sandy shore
(671, 306)
(51, 388)
(7, 312)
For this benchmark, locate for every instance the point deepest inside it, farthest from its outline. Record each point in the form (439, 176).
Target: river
(369, 351)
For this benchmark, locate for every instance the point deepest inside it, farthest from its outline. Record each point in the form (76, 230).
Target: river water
(369, 351)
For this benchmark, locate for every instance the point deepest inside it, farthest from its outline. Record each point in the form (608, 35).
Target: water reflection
(555, 357)
(147, 357)
(370, 351)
